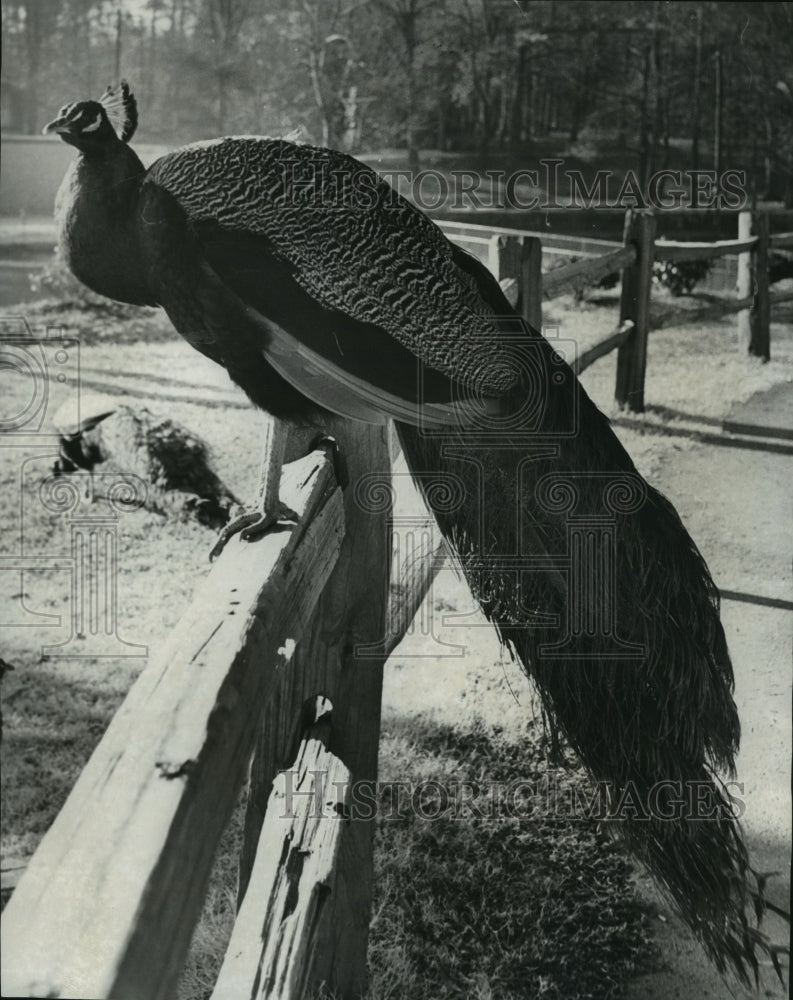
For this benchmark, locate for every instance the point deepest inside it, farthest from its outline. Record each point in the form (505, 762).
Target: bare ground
(747, 538)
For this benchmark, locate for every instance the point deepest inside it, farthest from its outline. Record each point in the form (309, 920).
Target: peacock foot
(250, 523)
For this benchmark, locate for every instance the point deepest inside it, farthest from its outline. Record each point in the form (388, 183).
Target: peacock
(321, 291)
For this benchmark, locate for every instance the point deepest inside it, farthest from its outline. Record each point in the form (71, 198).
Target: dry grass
(498, 907)
(481, 906)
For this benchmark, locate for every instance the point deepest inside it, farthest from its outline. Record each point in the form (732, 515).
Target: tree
(222, 23)
(29, 30)
(321, 33)
(620, 76)
(406, 16)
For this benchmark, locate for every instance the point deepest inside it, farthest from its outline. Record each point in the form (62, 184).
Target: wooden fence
(279, 660)
(515, 257)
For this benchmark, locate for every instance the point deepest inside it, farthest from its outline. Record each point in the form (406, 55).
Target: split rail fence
(274, 676)
(515, 257)
(278, 661)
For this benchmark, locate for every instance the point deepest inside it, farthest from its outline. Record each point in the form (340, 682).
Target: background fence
(516, 257)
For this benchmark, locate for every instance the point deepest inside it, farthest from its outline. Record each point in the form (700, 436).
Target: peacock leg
(252, 522)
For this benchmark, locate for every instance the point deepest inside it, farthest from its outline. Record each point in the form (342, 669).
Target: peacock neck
(95, 214)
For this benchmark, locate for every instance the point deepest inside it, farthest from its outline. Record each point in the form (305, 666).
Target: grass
(479, 902)
(62, 301)
(502, 906)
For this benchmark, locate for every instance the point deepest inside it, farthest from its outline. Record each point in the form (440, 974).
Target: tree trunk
(440, 131)
(662, 103)
(644, 151)
(622, 126)
(33, 40)
(527, 121)
(519, 100)
(351, 119)
(319, 97)
(696, 93)
(717, 116)
(117, 53)
(221, 87)
(410, 96)
(485, 125)
(655, 51)
(546, 113)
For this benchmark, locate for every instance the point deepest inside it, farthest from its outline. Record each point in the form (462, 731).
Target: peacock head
(93, 126)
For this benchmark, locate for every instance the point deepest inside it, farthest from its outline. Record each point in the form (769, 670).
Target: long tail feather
(593, 582)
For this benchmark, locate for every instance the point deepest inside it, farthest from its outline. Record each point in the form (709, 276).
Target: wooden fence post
(760, 311)
(635, 305)
(273, 941)
(350, 613)
(520, 258)
(743, 285)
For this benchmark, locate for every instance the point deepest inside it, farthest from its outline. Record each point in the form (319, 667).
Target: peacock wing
(332, 234)
(236, 301)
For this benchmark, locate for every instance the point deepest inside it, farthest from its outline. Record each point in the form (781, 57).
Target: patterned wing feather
(354, 245)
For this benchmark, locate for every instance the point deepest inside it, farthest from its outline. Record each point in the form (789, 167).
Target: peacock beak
(59, 125)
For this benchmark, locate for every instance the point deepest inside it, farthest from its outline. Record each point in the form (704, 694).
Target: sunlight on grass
(465, 906)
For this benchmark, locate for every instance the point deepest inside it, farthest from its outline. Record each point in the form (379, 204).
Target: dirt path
(736, 502)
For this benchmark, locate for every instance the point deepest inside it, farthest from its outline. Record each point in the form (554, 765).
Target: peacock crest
(121, 109)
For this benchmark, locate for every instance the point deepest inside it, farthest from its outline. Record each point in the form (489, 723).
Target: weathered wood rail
(528, 285)
(303, 617)
(274, 937)
(109, 901)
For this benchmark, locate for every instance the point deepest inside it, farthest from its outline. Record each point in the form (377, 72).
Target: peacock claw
(339, 465)
(252, 523)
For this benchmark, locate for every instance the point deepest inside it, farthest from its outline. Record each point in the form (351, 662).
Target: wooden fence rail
(529, 285)
(272, 947)
(587, 272)
(614, 340)
(108, 903)
(712, 310)
(668, 250)
(341, 656)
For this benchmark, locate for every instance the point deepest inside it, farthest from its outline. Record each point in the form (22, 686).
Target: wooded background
(682, 84)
